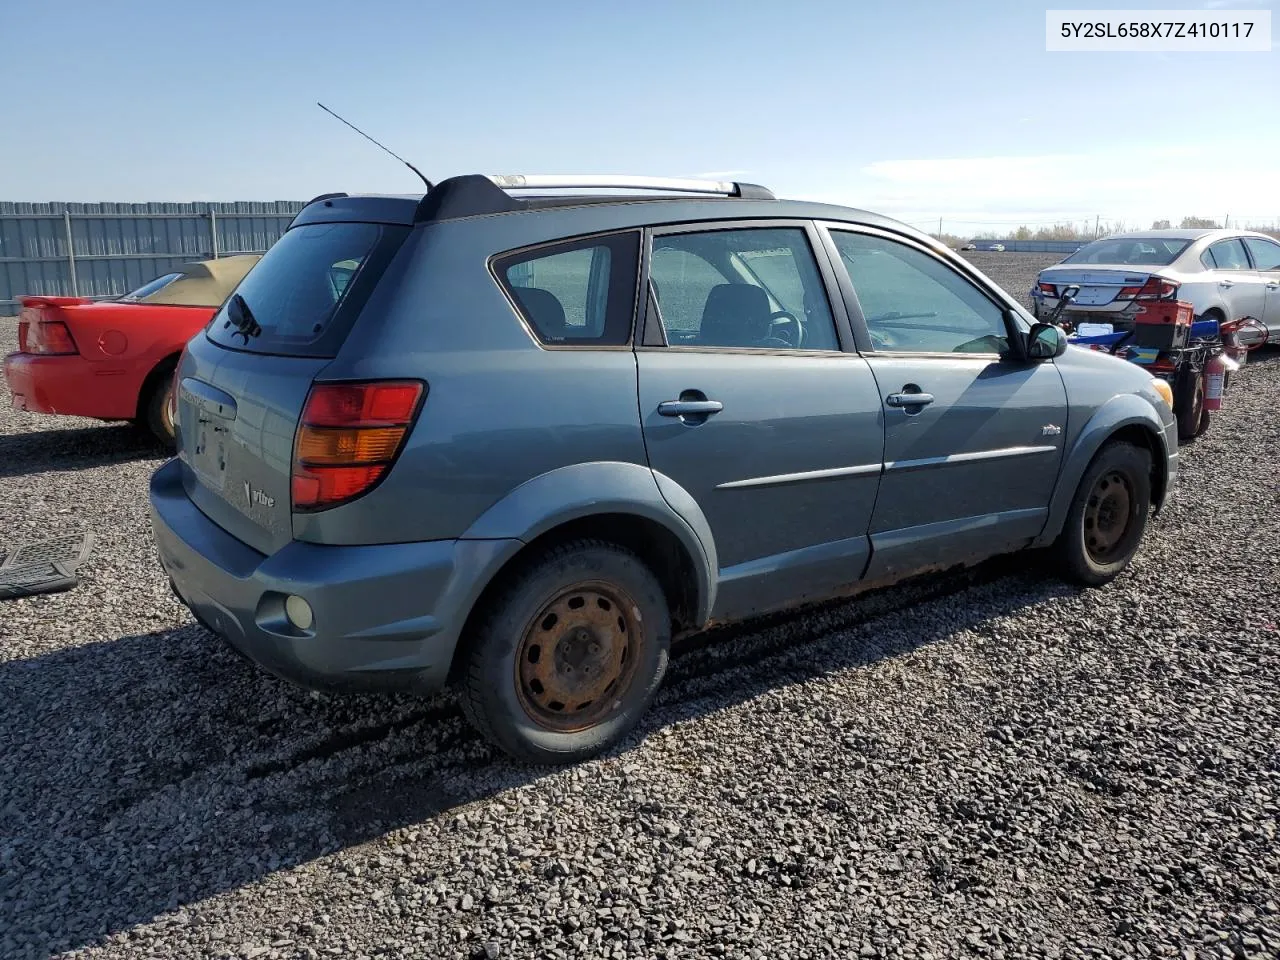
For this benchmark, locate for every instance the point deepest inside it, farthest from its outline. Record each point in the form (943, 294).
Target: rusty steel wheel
(577, 655)
(1106, 516)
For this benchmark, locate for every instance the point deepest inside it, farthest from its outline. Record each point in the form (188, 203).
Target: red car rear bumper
(69, 385)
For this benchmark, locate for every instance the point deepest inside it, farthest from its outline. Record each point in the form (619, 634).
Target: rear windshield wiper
(246, 325)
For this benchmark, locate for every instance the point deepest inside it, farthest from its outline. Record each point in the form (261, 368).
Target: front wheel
(1108, 515)
(569, 653)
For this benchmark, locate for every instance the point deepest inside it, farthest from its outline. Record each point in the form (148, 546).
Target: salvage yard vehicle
(547, 424)
(1223, 274)
(114, 359)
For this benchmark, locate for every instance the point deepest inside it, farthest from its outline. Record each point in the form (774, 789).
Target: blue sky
(916, 109)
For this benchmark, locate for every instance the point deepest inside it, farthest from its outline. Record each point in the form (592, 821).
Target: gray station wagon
(518, 433)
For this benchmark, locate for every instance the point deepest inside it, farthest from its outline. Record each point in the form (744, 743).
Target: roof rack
(725, 188)
(474, 194)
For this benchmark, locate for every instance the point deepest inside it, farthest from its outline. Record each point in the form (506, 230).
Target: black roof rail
(476, 194)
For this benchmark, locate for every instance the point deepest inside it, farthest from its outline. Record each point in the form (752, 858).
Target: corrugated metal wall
(117, 247)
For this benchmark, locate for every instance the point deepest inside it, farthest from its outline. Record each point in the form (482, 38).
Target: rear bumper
(387, 617)
(68, 385)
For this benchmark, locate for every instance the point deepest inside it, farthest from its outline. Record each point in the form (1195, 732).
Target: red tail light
(47, 337)
(1048, 289)
(173, 390)
(350, 435)
(1155, 288)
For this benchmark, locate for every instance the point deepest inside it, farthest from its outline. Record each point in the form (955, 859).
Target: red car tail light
(1156, 288)
(46, 337)
(349, 436)
(1048, 289)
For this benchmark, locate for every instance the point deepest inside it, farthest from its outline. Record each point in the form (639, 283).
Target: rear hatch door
(243, 383)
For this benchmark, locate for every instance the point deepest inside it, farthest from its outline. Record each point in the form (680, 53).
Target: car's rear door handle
(689, 408)
(908, 399)
(1226, 284)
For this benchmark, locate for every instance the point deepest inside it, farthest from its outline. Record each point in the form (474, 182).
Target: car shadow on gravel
(83, 448)
(153, 771)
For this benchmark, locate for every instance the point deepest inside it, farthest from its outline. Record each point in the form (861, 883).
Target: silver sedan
(1223, 274)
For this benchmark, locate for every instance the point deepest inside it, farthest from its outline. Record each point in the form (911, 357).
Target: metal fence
(107, 249)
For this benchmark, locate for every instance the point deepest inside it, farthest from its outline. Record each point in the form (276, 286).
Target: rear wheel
(1108, 515)
(156, 416)
(569, 653)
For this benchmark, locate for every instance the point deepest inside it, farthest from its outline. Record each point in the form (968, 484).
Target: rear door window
(578, 293)
(1227, 255)
(303, 296)
(751, 288)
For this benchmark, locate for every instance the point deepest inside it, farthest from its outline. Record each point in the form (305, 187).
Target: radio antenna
(375, 143)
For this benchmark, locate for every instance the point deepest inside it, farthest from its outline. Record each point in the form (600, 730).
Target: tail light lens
(1048, 289)
(173, 389)
(1156, 288)
(349, 436)
(46, 337)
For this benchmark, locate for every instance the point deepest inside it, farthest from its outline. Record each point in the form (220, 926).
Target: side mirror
(1045, 341)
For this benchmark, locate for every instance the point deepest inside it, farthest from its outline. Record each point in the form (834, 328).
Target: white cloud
(1121, 183)
(721, 175)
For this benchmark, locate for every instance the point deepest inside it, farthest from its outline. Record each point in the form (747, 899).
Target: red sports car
(114, 359)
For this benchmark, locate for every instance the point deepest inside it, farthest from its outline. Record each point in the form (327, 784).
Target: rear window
(303, 296)
(1130, 251)
(147, 289)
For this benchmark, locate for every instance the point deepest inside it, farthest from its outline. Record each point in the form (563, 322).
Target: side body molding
(1123, 410)
(583, 489)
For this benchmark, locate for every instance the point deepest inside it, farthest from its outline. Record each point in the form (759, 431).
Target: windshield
(147, 289)
(303, 295)
(1131, 251)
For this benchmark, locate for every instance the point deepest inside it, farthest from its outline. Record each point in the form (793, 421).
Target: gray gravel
(991, 764)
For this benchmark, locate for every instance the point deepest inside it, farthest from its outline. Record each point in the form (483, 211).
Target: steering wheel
(786, 319)
(775, 343)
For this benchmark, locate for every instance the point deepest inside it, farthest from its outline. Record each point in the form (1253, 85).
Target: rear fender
(585, 489)
(1118, 413)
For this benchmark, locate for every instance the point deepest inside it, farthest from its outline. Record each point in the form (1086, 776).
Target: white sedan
(1223, 274)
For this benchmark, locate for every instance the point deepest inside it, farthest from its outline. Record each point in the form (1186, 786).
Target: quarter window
(577, 294)
(751, 288)
(914, 303)
(1266, 253)
(1227, 255)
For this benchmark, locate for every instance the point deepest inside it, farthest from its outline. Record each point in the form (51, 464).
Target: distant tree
(1198, 223)
(1160, 225)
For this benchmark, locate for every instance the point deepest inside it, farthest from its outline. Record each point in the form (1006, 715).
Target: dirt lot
(990, 764)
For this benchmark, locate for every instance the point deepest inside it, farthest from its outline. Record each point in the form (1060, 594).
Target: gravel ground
(989, 764)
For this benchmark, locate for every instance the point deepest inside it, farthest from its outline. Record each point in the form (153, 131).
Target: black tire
(1189, 405)
(1090, 550)
(1204, 423)
(155, 408)
(532, 646)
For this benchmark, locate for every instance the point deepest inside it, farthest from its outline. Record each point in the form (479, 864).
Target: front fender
(586, 489)
(1117, 413)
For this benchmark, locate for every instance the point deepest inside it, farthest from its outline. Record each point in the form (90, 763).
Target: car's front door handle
(1273, 286)
(908, 399)
(689, 408)
(1226, 284)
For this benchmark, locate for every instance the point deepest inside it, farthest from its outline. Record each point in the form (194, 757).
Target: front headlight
(1166, 392)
